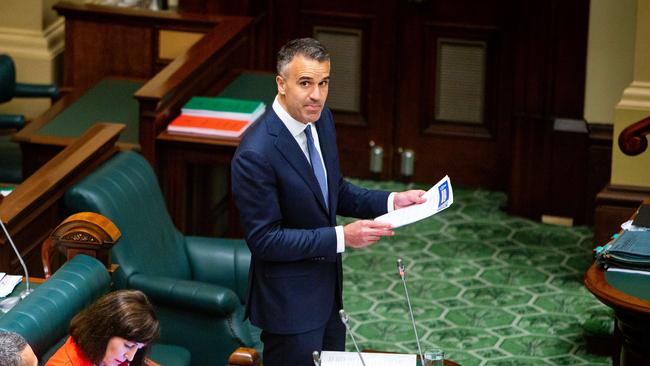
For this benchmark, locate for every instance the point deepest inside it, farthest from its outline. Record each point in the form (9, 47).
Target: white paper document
(439, 197)
(336, 358)
(8, 283)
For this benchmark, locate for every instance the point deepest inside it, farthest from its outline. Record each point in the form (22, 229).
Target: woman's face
(119, 350)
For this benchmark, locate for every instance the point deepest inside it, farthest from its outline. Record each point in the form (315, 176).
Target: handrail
(633, 140)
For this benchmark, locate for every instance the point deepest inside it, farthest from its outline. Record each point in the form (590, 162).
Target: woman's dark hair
(307, 47)
(126, 314)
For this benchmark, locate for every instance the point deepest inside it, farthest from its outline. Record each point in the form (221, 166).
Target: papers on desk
(8, 283)
(4, 191)
(439, 197)
(335, 358)
(629, 226)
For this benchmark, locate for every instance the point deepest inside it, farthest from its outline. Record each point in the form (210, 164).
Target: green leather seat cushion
(637, 285)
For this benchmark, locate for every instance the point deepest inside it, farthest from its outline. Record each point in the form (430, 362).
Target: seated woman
(116, 330)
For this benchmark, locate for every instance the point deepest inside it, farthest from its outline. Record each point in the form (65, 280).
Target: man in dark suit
(288, 187)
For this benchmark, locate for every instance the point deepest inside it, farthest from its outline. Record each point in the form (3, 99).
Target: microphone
(10, 302)
(316, 357)
(344, 319)
(402, 274)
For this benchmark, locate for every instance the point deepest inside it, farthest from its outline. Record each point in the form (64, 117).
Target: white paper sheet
(335, 358)
(439, 197)
(8, 283)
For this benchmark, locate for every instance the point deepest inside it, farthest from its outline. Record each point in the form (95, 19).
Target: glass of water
(434, 357)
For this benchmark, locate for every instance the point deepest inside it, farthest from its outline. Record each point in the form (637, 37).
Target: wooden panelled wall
(530, 139)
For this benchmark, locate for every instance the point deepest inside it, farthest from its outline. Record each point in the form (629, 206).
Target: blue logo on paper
(443, 193)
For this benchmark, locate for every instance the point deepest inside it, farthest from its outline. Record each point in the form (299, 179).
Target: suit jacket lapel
(290, 150)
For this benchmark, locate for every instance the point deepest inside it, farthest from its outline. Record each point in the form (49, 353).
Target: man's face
(28, 357)
(303, 88)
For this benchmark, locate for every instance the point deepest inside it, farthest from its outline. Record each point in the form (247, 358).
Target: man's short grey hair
(11, 348)
(306, 47)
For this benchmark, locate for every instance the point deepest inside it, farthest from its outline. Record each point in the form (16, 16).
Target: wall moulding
(43, 45)
(636, 96)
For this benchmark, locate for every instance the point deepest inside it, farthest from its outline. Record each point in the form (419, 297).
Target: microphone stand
(402, 273)
(10, 302)
(344, 319)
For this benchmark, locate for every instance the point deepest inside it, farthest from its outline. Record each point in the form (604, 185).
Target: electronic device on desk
(9, 302)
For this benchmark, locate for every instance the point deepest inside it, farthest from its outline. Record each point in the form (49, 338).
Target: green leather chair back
(197, 284)
(7, 78)
(43, 316)
(10, 153)
(125, 189)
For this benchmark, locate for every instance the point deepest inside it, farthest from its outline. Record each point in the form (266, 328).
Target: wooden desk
(111, 42)
(632, 313)
(187, 156)
(186, 180)
(33, 209)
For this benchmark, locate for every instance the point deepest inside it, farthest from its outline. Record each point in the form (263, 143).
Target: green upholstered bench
(43, 316)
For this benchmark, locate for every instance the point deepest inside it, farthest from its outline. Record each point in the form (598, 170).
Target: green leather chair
(197, 284)
(10, 155)
(43, 316)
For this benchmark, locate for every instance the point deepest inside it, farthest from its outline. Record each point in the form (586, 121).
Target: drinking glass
(434, 357)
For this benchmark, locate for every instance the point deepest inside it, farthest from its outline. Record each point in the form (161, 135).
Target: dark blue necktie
(317, 164)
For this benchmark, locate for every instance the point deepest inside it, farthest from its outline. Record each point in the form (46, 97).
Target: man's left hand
(408, 198)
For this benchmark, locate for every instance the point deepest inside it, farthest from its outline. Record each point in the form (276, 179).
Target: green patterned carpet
(487, 288)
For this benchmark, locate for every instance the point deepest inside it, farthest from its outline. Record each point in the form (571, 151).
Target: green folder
(228, 108)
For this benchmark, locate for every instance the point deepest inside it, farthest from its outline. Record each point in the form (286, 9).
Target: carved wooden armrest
(633, 140)
(82, 233)
(243, 356)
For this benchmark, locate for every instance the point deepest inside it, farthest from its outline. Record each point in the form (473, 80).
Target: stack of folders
(216, 116)
(629, 249)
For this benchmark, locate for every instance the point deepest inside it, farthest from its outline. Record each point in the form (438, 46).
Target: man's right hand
(362, 233)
